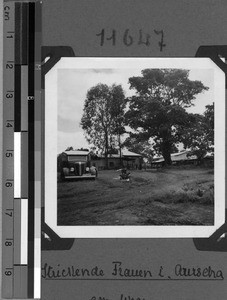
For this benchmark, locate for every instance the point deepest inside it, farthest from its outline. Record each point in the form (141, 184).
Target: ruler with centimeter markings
(21, 186)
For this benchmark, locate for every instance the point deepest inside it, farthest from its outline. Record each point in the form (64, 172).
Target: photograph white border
(145, 231)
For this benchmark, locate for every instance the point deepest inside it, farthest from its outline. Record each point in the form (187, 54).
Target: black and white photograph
(136, 144)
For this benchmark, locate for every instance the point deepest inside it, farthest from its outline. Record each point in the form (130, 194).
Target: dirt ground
(175, 196)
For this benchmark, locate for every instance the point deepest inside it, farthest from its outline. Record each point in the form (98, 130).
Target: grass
(173, 196)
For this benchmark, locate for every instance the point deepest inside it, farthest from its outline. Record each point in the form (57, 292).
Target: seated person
(124, 173)
(93, 170)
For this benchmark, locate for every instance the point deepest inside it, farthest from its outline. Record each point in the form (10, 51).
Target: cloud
(68, 125)
(104, 71)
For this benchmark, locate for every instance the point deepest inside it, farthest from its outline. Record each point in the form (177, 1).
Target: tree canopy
(158, 109)
(199, 136)
(156, 112)
(132, 143)
(69, 148)
(103, 116)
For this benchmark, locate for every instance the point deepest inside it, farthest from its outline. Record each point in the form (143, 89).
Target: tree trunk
(119, 143)
(106, 160)
(166, 152)
(199, 160)
(140, 163)
(106, 150)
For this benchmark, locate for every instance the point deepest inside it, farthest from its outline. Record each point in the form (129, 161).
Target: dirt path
(173, 196)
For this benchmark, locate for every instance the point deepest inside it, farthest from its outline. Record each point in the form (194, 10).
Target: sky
(73, 85)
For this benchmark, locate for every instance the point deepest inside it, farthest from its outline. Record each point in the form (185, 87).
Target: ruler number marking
(10, 214)
(9, 154)
(8, 184)
(10, 35)
(9, 95)
(8, 124)
(8, 272)
(8, 243)
(9, 65)
(6, 13)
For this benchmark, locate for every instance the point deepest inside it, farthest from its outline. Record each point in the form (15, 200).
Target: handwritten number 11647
(129, 39)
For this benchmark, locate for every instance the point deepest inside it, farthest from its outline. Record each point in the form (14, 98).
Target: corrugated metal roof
(177, 156)
(124, 153)
(179, 153)
(76, 152)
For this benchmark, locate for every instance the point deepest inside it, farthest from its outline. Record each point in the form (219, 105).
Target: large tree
(102, 116)
(117, 112)
(158, 109)
(199, 136)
